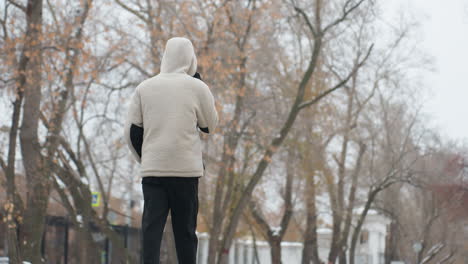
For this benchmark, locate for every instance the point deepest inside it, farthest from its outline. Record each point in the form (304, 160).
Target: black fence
(63, 244)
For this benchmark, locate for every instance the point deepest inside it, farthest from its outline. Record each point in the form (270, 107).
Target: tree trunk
(360, 222)
(342, 258)
(275, 236)
(275, 245)
(266, 160)
(14, 204)
(89, 251)
(217, 219)
(37, 180)
(391, 252)
(310, 250)
(231, 141)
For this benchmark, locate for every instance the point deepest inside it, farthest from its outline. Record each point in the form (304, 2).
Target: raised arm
(207, 116)
(134, 126)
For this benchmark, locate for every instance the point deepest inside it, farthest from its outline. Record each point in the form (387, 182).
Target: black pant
(180, 195)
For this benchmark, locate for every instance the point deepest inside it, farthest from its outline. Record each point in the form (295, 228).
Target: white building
(371, 244)
(370, 248)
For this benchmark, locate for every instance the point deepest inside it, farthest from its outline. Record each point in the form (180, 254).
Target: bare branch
(133, 11)
(258, 216)
(3, 22)
(345, 14)
(3, 164)
(20, 6)
(120, 87)
(140, 69)
(52, 12)
(433, 252)
(447, 258)
(246, 123)
(306, 18)
(78, 163)
(340, 84)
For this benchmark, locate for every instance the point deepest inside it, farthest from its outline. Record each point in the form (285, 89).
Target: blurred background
(341, 135)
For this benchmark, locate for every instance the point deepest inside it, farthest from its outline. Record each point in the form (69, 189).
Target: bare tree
(275, 234)
(318, 32)
(433, 199)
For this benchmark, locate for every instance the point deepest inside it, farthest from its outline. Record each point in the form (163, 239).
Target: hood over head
(179, 57)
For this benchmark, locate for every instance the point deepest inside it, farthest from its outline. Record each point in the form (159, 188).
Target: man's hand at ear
(197, 75)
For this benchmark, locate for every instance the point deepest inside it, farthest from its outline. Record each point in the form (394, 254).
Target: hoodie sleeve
(134, 126)
(207, 116)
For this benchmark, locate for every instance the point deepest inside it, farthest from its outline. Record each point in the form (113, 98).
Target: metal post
(107, 251)
(126, 236)
(44, 239)
(65, 248)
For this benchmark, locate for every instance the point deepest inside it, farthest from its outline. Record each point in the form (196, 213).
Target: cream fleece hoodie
(169, 106)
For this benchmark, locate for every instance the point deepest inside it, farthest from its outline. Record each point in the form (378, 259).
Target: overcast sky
(444, 29)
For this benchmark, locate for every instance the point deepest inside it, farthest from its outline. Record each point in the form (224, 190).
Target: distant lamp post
(417, 247)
